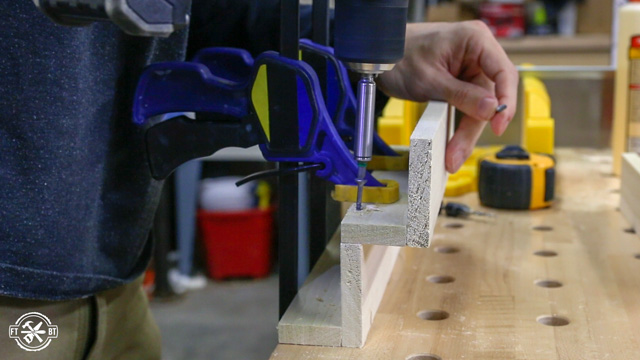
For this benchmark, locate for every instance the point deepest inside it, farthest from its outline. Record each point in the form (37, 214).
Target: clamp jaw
(340, 99)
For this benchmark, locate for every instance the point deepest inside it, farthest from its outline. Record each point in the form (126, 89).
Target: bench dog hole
(553, 320)
(548, 283)
(543, 228)
(446, 249)
(424, 357)
(441, 279)
(455, 225)
(545, 253)
(433, 315)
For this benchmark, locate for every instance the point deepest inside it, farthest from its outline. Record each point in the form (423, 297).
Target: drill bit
(360, 180)
(364, 130)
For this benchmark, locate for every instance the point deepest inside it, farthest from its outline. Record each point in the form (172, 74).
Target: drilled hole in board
(543, 228)
(441, 279)
(433, 315)
(455, 225)
(424, 357)
(630, 230)
(545, 253)
(548, 283)
(446, 249)
(553, 320)
(637, 256)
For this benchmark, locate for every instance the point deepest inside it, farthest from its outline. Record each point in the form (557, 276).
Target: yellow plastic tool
(398, 120)
(263, 191)
(466, 179)
(389, 163)
(372, 194)
(538, 125)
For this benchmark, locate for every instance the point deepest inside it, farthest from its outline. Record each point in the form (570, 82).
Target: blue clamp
(231, 111)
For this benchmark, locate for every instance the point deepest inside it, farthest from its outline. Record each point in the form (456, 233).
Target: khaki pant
(114, 324)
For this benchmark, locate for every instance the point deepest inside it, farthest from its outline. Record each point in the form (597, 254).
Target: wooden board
(379, 224)
(630, 190)
(578, 50)
(493, 302)
(337, 303)
(314, 316)
(411, 220)
(321, 314)
(365, 272)
(427, 174)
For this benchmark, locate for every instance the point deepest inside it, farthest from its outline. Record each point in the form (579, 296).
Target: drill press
(369, 39)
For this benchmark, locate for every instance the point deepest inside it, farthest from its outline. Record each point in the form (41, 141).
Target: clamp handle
(214, 89)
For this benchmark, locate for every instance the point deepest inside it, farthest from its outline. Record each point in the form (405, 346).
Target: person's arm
(463, 64)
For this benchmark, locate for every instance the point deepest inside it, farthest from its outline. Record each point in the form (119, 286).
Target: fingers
(496, 65)
(473, 100)
(461, 144)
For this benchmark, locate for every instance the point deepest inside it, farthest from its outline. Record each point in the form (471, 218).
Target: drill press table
(559, 283)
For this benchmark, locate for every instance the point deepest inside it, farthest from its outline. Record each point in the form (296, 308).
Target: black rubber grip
(504, 186)
(370, 31)
(550, 184)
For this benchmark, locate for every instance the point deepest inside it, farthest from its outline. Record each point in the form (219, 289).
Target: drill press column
(369, 39)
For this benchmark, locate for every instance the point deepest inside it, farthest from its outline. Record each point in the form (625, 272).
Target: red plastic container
(238, 244)
(504, 20)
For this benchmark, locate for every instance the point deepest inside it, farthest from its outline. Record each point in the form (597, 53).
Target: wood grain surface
(492, 288)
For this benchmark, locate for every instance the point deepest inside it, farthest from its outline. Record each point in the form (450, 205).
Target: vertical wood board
(427, 174)
(365, 273)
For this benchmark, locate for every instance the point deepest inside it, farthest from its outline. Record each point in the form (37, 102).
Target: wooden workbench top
(479, 291)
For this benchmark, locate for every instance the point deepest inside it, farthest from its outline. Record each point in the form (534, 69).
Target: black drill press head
(369, 34)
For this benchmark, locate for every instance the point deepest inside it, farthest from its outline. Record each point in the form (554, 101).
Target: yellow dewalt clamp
(515, 179)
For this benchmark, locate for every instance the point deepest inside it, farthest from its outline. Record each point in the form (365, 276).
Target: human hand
(463, 64)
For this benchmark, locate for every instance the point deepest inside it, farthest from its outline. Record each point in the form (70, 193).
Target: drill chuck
(363, 147)
(370, 33)
(135, 17)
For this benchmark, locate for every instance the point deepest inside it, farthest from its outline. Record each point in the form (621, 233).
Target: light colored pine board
(493, 303)
(630, 189)
(378, 224)
(314, 316)
(365, 272)
(338, 301)
(427, 174)
(410, 221)
(365, 269)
